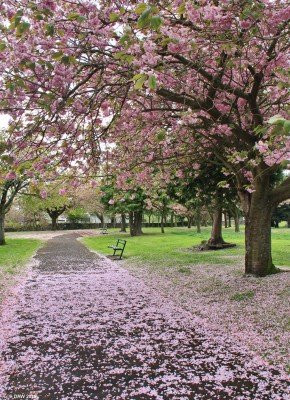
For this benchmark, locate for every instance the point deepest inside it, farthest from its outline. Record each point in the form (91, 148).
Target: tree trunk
(53, 222)
(135, 221)
(2, 229)
(162, 222)
(149, 219)
(288, 222)
(226, 219)
(197, 218)
(189, 222)
(236, 219)
(113, 221)
(258, 211)
(216, 238)
(172, 220)
(123, 223)
(229, 220)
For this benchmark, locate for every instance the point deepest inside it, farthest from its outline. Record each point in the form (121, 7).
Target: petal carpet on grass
(79, 326)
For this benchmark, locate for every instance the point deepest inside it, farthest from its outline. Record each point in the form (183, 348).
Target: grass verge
(173, 247)
(13, 257)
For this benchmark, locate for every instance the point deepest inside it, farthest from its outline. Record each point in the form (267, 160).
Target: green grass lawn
(172, 248)
(16, 253)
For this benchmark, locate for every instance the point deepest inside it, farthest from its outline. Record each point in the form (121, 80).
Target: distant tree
(281, 213)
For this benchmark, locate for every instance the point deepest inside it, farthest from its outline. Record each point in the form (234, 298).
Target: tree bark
(162, 222)
(113, 221)
(226, 219)
(135, 221)
(198, 230)
(229, 220)
(172, 219)
(216, 238)
(189, 222)
(54, 222)
(123, 222)
(2, 229)
(236, 219)
(258, 210)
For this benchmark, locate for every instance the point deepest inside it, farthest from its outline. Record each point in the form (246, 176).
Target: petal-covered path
(81, 327)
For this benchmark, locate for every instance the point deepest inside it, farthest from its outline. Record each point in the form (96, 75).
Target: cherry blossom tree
(211, 73)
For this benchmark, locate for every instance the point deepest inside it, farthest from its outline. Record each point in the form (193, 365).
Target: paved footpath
(81, 327)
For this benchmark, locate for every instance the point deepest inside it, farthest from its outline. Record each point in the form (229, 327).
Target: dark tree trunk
(113, 221)
(258, 211)
(216, 238)
(189, 222)
(162, 222)
(288, 222)
(197, 218)
(236, 219)
(123, 223)
(226, 219)
(172, 220)
(54, 214)
(149, 219)
(198, 230)
(229, 220)
(2, 229)
(135, 221)
(54, 222)
(101, 218)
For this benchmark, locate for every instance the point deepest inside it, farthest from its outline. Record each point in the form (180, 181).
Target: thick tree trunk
(54, 222)
(288, 222)
(135, 221)
(123, 223)
(216, 238)
(2, 229)
(258, 211)
(189, 222)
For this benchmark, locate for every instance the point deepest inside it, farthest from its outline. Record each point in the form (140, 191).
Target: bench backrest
(121, 241)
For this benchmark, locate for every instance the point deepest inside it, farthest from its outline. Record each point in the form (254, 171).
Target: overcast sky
(3, 121)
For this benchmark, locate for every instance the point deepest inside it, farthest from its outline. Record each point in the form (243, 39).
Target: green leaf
(152, 82)
(161, 136)
(57, 55)
(49, 30)
(114, 17)
(277, 119)
(2, 46)
(140, 82)
(144, 18)
(65, 60)
(181, 9)
(76, 17)
(22, 28)
(140, 8)
(286, 127)
(155, 22)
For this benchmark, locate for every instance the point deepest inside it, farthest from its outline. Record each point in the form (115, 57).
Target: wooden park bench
(119, 247)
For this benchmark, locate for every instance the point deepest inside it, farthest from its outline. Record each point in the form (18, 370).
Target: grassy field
(16, 253)
(173, 247)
